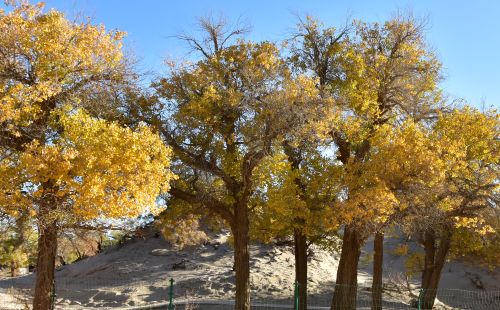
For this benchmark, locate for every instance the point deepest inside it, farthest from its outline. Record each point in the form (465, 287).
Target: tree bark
(434, 262)
(13, 268)
(378, 261)
(300, 241)
(47, 249)
(430, 253)
(45, 266)
(242, 258)
(344, 296)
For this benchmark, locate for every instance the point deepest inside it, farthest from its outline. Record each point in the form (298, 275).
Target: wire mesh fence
(16, 293)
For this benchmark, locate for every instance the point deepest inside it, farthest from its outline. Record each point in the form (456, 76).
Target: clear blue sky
(465, 34)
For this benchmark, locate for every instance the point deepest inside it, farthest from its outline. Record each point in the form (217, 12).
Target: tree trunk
(47, 248)
(13, 268)
(430, 253)
(344, 296)
(301, 267)
(300, 239)
(378, 261)
(241, 258)
(434, 263)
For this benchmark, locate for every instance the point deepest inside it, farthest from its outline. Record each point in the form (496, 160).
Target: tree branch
(205, 199)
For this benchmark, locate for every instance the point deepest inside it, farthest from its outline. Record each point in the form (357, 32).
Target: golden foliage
(45, 56)
(52, 149)
(100, 168)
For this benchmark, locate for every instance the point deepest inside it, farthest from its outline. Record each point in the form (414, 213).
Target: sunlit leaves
(52, 149)
(230, 109)
(99, 168)
(44, 56)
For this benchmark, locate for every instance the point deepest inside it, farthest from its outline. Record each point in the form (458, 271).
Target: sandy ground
(138, 273)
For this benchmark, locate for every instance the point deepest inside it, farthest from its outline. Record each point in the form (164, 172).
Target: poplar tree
(59, 164)
(382, 74)
(457, 215)
(223, 115)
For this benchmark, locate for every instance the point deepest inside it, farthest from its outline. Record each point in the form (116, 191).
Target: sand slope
(138, 273)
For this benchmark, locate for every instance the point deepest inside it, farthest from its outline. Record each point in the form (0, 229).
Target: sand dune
(138, 272)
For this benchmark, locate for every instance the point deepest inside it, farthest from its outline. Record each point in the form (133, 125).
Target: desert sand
(137, 274)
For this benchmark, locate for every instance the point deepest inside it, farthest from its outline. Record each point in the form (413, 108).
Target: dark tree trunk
(430, 252)
(434, 262)
(47, 249)
(300, 241)
(241, 258)
(344, 296)
(378, 261)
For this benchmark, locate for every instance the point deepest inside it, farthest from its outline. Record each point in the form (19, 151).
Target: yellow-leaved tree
(296, 190)
(310, 178)
(402, 160)
(222, 116)
(60, 164)
(459, 213)
(382, 75)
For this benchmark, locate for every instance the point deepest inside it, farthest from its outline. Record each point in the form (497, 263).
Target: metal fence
(16, 293)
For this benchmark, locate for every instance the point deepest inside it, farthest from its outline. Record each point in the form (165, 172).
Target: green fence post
(171, 295)
(296, 295)
(420, 296)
